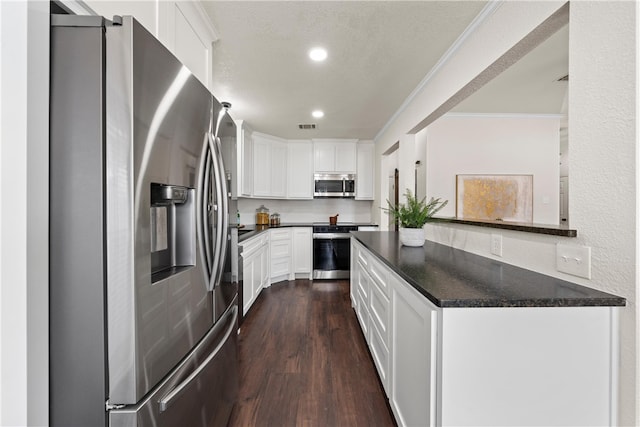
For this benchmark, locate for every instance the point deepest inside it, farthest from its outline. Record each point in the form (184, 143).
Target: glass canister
(262, 216)
(275, 219)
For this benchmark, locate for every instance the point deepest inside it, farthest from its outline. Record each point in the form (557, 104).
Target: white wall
(24, 158)
(317, 210)
(602, 142)
(492, 145)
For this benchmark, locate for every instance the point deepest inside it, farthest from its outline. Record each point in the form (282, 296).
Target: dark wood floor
(304, 361)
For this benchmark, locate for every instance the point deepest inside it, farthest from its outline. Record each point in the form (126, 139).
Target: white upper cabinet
(278, 169)
(272, 167)
(300, 170)
(261, 166)
(145, 12)
(365, 170)
(269, 166)
(187, 31)
(244, 158)
(334, 155)
(182, 26)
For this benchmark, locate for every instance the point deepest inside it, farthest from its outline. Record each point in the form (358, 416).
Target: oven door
(331, 255)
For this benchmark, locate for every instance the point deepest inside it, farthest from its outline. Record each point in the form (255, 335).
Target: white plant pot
(412, 236)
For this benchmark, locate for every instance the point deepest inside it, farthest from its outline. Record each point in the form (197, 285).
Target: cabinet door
(265, 266)
(145, 12)
(413, 356)
(345, 157)
(246, 160)
(302, 250)
(365, 170)
(186, 30)
(324, 156)
(191, 48)
(261, 167)
(278, 169)
(362, 307)
(354, 266)
(249, 278)
(300, 170)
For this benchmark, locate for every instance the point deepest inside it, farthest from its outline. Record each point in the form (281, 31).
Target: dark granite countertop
(454, 278)
(554, 230)
(248, 231)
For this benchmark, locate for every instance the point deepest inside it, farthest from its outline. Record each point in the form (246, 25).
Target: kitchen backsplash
(316, 210)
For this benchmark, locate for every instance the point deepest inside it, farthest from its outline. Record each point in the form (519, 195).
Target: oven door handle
(331, 236)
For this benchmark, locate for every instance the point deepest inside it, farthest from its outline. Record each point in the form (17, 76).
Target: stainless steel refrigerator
(143, 302)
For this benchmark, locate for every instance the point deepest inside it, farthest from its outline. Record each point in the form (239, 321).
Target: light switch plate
(575, 260)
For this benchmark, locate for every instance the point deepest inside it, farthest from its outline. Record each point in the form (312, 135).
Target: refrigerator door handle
(224, 211)
(169, 398)
(202, 211)
(219, 210)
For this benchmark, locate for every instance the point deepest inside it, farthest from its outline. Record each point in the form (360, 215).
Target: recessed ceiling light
(318, 54)
(317, 114)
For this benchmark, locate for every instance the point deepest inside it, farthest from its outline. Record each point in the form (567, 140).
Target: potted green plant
(412, 217)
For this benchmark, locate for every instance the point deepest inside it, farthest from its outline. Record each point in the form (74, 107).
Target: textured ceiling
(378, 53)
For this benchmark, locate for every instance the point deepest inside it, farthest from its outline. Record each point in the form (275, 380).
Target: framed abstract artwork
(495, 197)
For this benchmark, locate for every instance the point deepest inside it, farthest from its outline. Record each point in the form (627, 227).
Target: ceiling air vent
(307, 126)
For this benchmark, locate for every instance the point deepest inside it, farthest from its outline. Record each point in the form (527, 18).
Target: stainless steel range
(332, 251)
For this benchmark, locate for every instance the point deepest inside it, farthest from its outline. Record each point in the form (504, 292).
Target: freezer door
(200, 392)
(158, 126)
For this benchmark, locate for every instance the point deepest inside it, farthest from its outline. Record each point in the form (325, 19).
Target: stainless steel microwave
(334, 185)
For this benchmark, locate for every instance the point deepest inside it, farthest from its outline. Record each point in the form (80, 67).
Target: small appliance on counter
(262, 216)
(275, 219)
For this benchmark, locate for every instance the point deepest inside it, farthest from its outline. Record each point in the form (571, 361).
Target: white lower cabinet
(379, 329)
(303, 252)
(400, 326)
(488, 366)
(255, 269)
(281, 254)
(413, 361)
(291, 253)
(362, 296)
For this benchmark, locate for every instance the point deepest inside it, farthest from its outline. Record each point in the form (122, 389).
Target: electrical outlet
(575, 260)
(496, 244)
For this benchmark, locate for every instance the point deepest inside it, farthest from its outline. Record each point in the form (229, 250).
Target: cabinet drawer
(280, 266)
(380, 311)
(362, 313)
(252, 245)
(281, 234)
(280, 249)
(362, 283)
(380, 275)
(363, 258)
(380, 353)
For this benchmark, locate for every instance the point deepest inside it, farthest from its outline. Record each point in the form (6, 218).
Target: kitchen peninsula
(460, 339)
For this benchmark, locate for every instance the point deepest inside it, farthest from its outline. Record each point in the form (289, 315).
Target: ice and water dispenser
(173, 234)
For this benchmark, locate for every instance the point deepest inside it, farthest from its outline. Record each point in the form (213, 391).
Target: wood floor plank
(304, 361)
